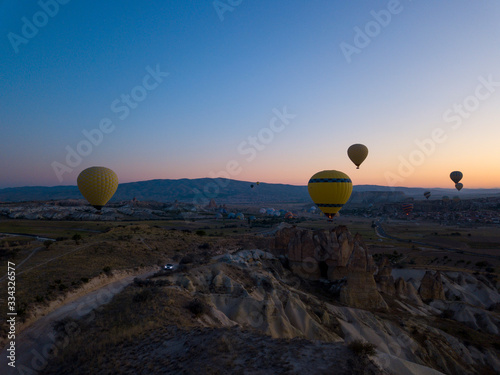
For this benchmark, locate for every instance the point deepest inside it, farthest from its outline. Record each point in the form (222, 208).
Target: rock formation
(333, 254)
(360, 291)
(407, 291)
(384, 279)
(212, 205)
(431, 287)
(326, 253)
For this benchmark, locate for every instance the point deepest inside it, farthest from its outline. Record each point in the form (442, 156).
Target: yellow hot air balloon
(330, 190)
(97, 185)
(456, 176)
(357, 153)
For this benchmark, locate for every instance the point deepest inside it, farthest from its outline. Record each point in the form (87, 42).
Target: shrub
(362, 348)
(107, 270)
(76, 237)
(447, 314)
(197, 307)
(189, 258)
(201, 232)
(142, 296)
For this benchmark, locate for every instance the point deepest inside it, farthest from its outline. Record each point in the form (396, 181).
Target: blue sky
(231, 69)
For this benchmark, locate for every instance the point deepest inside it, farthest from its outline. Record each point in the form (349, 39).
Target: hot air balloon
(258, 183)
(357, 153)
(446, 198)
(407, 208)
(330, 190)
(456, 176)
(459, 186)
(456, 198)
(251, 186)
(427, 194)
(97, 185)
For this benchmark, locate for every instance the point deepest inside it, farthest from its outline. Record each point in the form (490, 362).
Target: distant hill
(201, 190)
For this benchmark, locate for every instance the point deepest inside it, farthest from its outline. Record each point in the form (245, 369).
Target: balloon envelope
(97, 185)
(427, 194)
(459, 186)
(357, 153)
(330, 190)
(407, 208)
(456, 176)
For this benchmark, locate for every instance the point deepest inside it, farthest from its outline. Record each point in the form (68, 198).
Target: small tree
(362, 348)
(76, 237)
(47, 243)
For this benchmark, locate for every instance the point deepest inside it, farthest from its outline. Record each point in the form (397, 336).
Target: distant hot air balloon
(456, 176)
(446, 198)
(258, 183)
(251, 186)
(97, 185)
(456, 198)
(357, 153)
(330, 190)
(427, 194)
(459, 186)
(407, 208)
(270, 211)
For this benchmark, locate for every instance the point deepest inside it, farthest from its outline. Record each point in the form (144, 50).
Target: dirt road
(37, 344)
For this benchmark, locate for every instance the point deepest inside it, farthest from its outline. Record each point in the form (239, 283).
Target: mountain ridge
(202, 190)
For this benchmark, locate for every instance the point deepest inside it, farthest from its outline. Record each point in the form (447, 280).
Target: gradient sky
(432, 69)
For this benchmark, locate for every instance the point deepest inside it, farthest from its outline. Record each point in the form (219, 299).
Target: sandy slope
(36, 341)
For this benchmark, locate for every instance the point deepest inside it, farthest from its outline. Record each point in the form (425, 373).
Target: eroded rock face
(431, 287)
(406, 290)
(328, 253)
(360, 291)
(384, 279)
